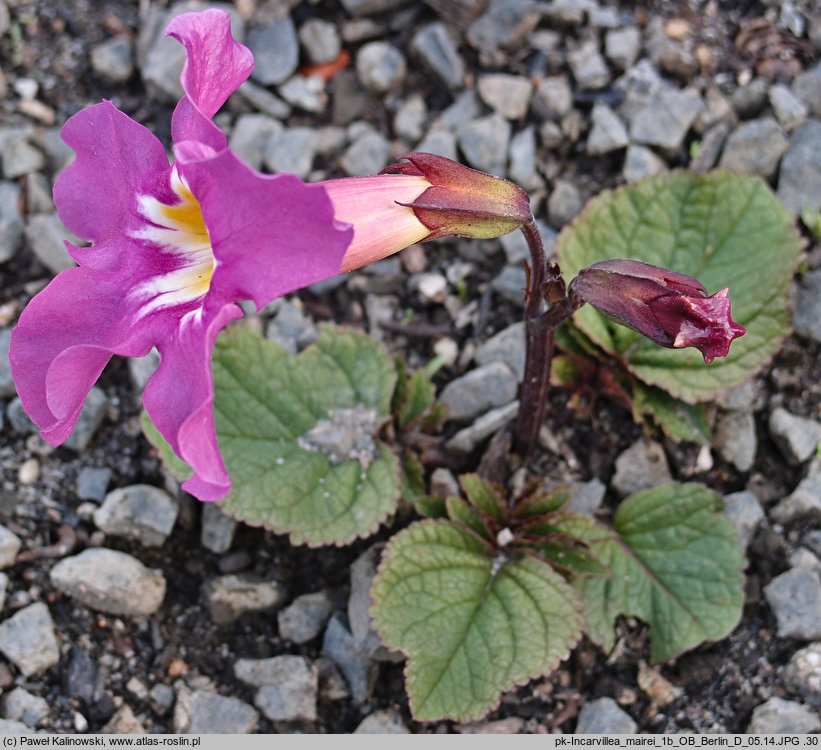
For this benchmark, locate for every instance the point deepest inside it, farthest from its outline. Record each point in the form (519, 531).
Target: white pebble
(29, 472)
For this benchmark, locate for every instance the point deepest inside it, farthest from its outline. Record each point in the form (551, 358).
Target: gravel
(799, 182)
(434, 45)
(140, 512)
(755, 147)
(641, 466)
(796, 437)
(779, 716)
(603, 716)
(276, 51)
(110, 581)
(479, 390)
(230, 597)
(795, 598)
(28, 640)
(305, 617)
(206, 712)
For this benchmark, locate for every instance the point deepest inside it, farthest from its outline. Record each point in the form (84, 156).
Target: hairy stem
(546, 306)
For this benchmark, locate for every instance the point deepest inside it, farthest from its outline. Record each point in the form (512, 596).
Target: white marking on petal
(179, 230)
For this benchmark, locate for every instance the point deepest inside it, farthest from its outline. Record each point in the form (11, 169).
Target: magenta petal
(96, 195)
(180, 397)
(64, 339)
(215, 65)
(270, 234)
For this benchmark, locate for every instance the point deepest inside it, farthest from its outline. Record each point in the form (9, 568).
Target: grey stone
(6, 383)
(320, 40)
(92, 483)
(567, 12)
(363, 572)
(161, 57)
(641, 466)
(20, 705)
(666, 118)
(5, 17)
(588, 66)
(37, 189)
(812, 540)
(564, 203)
(291, 150)
(587, 497)
(807, 308)
(27, 639)
(735, 439)
(439, 142)
(367, 155)
(749, 100)
(162, 698)
(622, 46)
(369, 7)
(804, 558)
(18, 419)
(140, 512)
(484, 143)
(778, 716)
(341, 647)
(350, 99)
(807, 87)
(113, 59)
(802, 675)
(291, 328)
(553, 98)
(59, 153)
(799, 182)
(330, 139)
(11, 221)
(204, 712)
(123, 722)
(796, 437)
(289, 692)
(795, 598)
(304, 618)
(432, 287)
(436, 48)
(17, 154)
(4, 584)
(91, 417)
(804, 501)
(409, 121)
(250, 137)
(789, 110)
(506, 94)
(276, 51)
(504, 24)
(480, 390)
(13, 727)
(9, 547)
(142, 368)
(710, 148)
(382, 722)
(508, 347)
(670, 55)
(608, 132)
(217, 532)
(717, 110)
(46, 235)
(743, 509)
(379, 308)
(381, 67)
(465, 108)
(755, 147)
(307, 93)
(515, 245)
(110, 581)
(470, 437)
(510, 284)
(604, 716)
(523, 159)
(231, 596)
(268, 103)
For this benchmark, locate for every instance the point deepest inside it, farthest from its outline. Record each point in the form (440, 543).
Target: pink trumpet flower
(670, 308)
(175, 247)
(173, 250)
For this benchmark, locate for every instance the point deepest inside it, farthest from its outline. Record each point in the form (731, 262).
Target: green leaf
(417, 399)
(178, 468)
(544, 501)
(811, 218)
(724, 229)
(471, 625)
(461, 511)
(413, 478)
(679, 420)
(297, 434)
(431, 506)
(487, 497)
(675, 562)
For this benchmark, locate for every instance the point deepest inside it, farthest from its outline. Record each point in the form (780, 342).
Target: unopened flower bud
(668, 307)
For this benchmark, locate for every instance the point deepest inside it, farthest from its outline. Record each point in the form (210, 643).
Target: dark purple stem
(546, 306)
